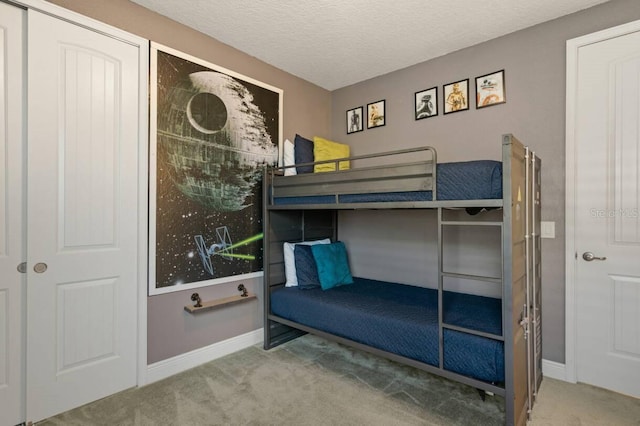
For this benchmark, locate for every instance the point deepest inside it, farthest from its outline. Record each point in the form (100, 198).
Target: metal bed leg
(483, 395)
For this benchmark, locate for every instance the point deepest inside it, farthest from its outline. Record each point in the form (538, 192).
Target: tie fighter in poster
(222, 247)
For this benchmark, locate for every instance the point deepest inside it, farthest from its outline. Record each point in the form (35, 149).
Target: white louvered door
(607, 214)
(83, 112)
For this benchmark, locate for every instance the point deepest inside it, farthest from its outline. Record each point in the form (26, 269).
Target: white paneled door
(82, 210)
(607, 216)
(12, 245)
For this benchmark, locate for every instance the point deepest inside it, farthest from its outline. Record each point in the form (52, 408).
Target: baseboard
(554, 370)
(168, 367)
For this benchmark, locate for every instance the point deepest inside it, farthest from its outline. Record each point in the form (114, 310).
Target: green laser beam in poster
(244, 242)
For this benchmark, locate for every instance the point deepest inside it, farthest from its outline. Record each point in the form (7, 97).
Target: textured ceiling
(335, 43)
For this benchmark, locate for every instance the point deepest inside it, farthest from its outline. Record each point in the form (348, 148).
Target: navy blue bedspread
(469, 180)
(403, 319)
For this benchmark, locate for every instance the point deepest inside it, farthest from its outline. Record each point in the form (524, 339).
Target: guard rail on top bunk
(334, 189)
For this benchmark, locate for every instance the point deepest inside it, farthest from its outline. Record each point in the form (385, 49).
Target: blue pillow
(332, 264)
(306, 269)
(303, 153)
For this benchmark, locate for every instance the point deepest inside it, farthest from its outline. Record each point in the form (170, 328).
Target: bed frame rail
(414, 176)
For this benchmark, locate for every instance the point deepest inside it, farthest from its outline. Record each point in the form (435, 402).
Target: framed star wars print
(426, 103)
(376, 114)
(456, 96)
(355, 120)
(212, 133)
(490, 90)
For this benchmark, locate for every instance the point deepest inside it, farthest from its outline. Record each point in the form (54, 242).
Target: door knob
(40, 267)
(588, 256)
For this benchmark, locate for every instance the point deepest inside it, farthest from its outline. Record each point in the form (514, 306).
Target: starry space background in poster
(214, 131)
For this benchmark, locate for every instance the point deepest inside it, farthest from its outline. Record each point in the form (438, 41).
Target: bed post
(279, 226)
(514, 312)
(266, 262)
(536, 310)
(528, 237)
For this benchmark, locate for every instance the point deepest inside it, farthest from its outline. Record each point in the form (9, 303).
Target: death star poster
(213, 132)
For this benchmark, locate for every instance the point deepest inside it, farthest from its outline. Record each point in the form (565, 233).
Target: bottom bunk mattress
(403, 320)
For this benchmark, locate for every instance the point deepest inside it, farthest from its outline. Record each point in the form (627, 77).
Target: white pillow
(289, 158)
(290, 260)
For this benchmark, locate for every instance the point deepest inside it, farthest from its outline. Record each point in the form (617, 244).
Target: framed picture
(490, 89)
(456, 96)
(375, 114)
(212, 131)
(355, 123)
(426, 103)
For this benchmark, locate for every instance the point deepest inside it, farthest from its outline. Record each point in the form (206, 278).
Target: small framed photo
(426, 102)
(490, 89)
(456, 96)
(355, 123)
(375, 114)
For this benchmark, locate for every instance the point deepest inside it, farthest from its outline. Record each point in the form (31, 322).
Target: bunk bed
(493, 344)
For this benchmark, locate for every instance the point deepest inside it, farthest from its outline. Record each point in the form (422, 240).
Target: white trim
(154, 291)
(155, 46)
(166, 368)
(572, 63)
(81, 20)
(554, 370)
(573, 47)
(143, 211)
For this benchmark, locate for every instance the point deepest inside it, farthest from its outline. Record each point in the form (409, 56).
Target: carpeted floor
(310, 381)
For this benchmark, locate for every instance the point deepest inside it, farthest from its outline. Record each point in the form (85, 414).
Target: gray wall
(534, 63)
(401, 246)
(172, 331)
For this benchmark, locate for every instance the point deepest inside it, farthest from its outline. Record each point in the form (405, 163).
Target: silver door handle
(588, 256)
(40, 267)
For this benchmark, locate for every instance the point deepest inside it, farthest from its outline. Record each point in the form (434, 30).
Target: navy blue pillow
(306, 269)
(303, 153)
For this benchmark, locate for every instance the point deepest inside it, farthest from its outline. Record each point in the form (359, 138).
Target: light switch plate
(548, 229)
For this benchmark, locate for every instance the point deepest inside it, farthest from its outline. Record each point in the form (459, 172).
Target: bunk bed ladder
(440, 293)
(520, 278)
(442, 274)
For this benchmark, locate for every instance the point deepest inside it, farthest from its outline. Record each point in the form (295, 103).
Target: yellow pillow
(324, 149)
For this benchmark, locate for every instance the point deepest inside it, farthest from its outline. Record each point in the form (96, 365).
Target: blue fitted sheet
(469, 180)
(403, 319)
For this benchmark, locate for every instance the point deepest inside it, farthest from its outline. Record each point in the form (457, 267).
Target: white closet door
(11, 203)
(82, 215)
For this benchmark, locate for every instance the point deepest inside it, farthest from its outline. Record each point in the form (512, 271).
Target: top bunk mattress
(469, 180)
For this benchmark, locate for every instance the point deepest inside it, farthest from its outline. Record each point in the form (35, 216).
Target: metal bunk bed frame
(521, 260)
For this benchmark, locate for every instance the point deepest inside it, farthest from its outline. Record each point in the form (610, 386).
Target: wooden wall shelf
(220, 303)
